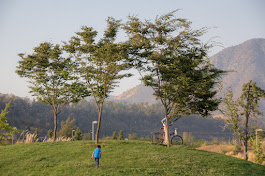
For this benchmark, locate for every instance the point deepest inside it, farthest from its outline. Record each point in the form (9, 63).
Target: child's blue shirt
(96, 152)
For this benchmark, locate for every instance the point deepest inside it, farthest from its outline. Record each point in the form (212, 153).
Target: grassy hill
(118, 158)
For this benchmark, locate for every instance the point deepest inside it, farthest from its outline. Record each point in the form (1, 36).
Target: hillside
(119, 158)
(245, 62)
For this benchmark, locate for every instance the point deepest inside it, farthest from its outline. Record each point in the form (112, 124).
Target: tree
(120, 137)
(36, 135)
(246, 109)
(51, 78)
(6, 130)
(78, 135)
(50, 133)
(174, 62)
(114, 135)
(67, 127)
(99, 63)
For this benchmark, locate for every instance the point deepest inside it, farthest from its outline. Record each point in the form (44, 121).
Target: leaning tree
(51, 78)
(174, 62)
(99, 63)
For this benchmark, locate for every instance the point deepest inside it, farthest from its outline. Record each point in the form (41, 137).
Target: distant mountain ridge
(138, 94)
(245, 62)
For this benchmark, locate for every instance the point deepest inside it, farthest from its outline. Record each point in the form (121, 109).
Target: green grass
(118, 158)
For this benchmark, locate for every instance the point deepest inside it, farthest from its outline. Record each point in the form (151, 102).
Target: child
(97, 154)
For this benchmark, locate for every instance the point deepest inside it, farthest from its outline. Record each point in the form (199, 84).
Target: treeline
(141, 118)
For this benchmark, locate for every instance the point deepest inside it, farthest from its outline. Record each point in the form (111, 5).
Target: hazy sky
(24, 24)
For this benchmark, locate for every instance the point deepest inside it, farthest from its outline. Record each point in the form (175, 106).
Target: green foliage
(231, 112)
(36, 134)
(78, 135)
(50, 133)
(142, 118)
(120, 158)
(67, 127)
(114, 136)
(259, 153)
(175, 64)
(120, 137)
(5, 129)
(51, 77)
(99, 63)
(246, 107)
(132, 136)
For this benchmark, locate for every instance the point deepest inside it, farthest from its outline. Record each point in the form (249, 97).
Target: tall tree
(99, 63)
(244, 111)
(174, 62)
(51, 78)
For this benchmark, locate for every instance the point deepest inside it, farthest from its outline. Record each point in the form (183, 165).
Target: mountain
(137, 94)
(244, 62)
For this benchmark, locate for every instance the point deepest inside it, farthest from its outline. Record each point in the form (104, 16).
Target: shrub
(66, 128)
(86, 136)
(78, 135)
(132, 136)
(114, 136)
(215, 141)
(187, 137)
(50, 133)
(237, 149)
(36, 135)
(259, 154)
(120, 135)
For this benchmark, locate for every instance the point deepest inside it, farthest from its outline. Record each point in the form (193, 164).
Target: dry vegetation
(232, 150)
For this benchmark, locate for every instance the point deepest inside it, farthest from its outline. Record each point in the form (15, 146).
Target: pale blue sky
(26, 23)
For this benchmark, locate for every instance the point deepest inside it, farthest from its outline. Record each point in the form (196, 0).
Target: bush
(78, 135)
(132, 136)
(188, 137)
(237, 149)
(50, 133)
(120, 135)
(66, 128)
(36, 135)
(86, 136)
(114, 136)
(259, 154)
(215, 141)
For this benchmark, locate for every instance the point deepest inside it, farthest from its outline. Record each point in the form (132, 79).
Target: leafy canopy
(51, 75)
(174, 62)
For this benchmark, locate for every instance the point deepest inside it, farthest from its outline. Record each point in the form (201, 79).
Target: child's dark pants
(96, 162)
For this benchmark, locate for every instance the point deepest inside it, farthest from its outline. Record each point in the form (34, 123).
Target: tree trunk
(246, 124)
(246, 149)
(166, 136)
(55, 126)
(99, 122)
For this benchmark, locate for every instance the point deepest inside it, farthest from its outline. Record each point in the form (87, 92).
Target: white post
(93, 136)
(73, 134)
(257, 135)
(13, 135)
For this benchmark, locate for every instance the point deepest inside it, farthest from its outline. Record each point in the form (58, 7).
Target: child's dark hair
(98, 146)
